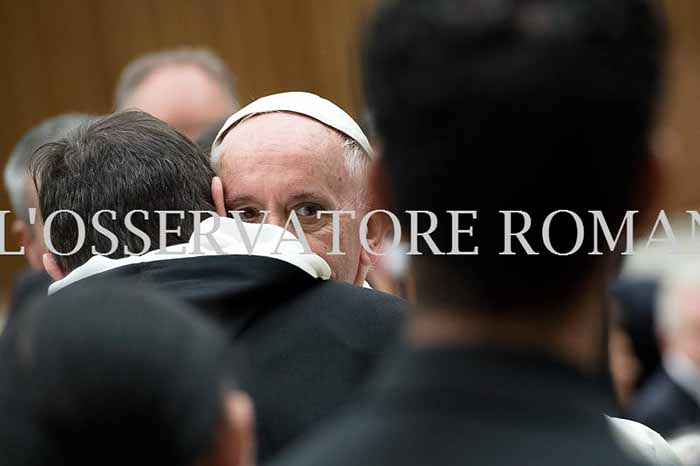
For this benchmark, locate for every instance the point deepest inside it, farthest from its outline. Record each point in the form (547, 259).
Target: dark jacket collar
(487, 376)
(230, 287)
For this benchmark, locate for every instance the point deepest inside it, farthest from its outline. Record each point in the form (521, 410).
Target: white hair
(674, 288)
(356, 163)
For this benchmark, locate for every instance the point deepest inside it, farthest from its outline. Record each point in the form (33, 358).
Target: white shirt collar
(228, 238)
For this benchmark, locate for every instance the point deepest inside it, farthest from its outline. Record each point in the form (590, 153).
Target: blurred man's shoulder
(360, 303)
(355, 314)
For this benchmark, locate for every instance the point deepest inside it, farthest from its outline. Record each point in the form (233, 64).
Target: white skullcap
(303, 103)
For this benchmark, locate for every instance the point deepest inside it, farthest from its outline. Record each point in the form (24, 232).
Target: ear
(217, 193)
(377, 228)
(236, 446)
(378, 225)
(52, 267)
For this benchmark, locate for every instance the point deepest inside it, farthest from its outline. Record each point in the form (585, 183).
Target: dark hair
(636, 316)
(17, 168)
(122, 162)
(111, 375)
(530, 105)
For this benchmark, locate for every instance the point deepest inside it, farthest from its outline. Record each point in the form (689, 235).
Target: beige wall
(683, 107)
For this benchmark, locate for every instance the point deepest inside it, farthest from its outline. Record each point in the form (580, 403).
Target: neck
(572, 333)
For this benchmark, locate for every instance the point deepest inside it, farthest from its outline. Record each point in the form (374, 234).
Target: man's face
(183, 96)
(283, 162)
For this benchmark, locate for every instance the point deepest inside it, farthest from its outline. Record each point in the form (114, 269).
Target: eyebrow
(237, 199)
(310, 196)
(296, 196)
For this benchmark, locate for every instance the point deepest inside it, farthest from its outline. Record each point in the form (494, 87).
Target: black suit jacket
(305, 345)
(30, 285)
(455, 407)
(664, 406)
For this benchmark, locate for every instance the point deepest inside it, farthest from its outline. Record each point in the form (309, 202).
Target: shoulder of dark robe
(306, 346)
(29, 286)
(235, 289)
(459, 406)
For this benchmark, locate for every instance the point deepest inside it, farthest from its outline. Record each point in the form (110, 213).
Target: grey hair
(17, 180)
(139, 69)
(357, 162)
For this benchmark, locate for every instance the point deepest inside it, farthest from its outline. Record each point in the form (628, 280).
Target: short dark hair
(111, 372)
(122, 162)
(531, 105)
(17, 169)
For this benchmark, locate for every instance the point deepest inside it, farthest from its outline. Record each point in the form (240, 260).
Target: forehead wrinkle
(288, 193)
(239, 198)
(256, 182)
(302, 147)
(283, 134)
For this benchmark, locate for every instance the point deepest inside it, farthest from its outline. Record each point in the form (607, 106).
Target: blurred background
(66, 56)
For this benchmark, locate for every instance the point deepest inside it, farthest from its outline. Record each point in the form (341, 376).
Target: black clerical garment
(456, 407)
(305, 346)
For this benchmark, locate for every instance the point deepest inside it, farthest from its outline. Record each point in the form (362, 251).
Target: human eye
(248, 214)
(308, 210)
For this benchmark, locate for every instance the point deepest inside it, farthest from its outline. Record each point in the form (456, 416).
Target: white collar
(683, 372)
(643, 443)
(228, 238)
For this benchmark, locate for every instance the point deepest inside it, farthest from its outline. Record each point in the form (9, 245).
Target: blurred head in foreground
(113, 376)
(187, 88)
(20, 188)
(533, 106)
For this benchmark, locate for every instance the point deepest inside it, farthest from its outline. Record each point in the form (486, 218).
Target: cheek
(345, 266)
(350, 237)
(321, 241)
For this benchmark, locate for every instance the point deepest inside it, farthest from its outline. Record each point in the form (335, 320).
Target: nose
(277, 218)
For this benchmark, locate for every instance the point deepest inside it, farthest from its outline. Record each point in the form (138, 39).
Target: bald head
(283, 162)
(199, 100)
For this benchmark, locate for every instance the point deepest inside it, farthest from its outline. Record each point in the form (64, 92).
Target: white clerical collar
(683, 372)
(229, 240)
